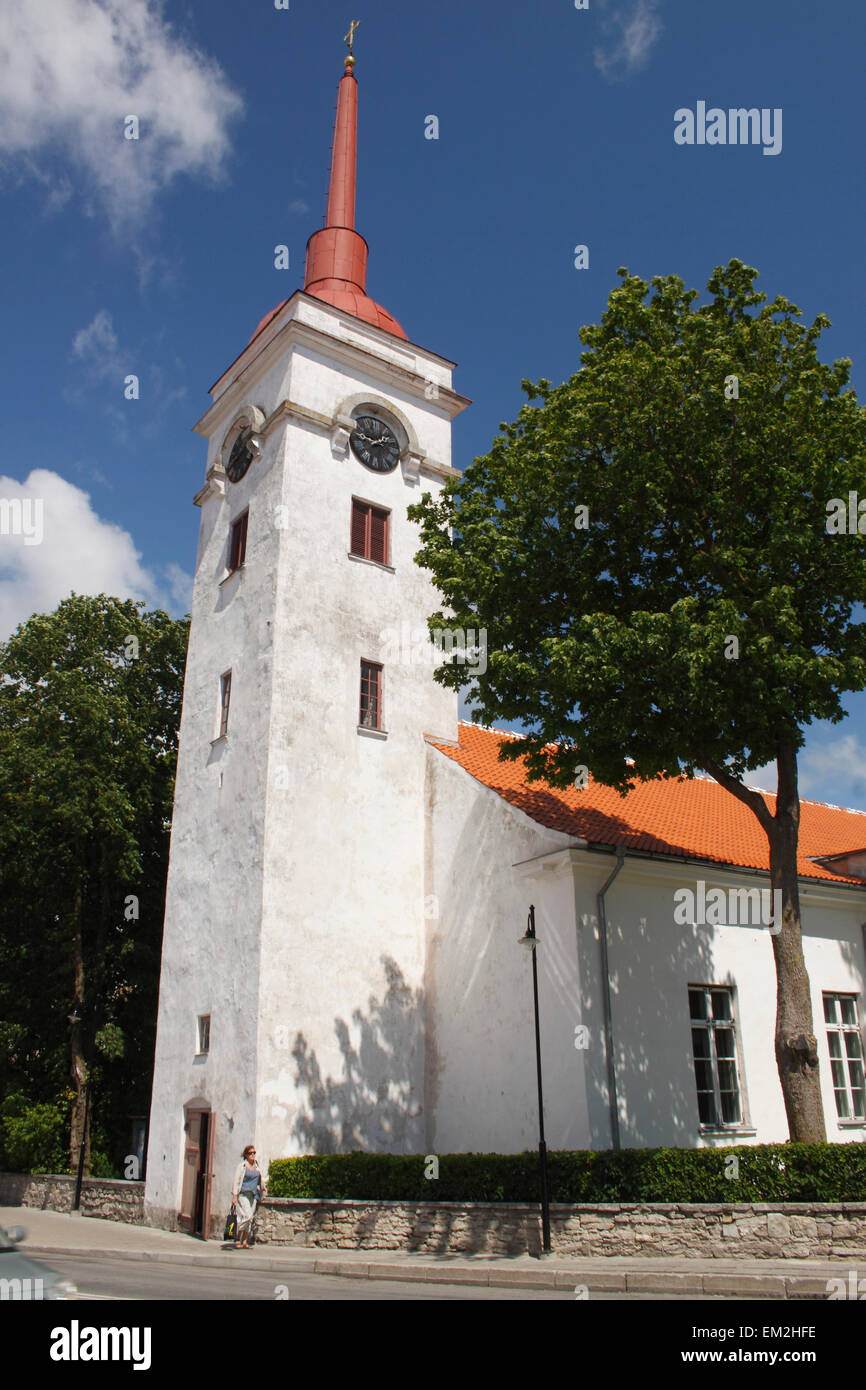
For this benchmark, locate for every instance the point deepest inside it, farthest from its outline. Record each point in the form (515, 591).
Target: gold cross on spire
(350, 37)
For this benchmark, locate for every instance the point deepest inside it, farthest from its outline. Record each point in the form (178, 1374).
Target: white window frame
(224, 710)
(840, 1029)
(709, 1024)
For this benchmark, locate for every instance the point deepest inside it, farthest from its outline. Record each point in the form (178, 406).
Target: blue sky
(155, 257)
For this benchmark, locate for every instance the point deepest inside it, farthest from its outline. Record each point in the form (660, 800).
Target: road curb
(766, 1287)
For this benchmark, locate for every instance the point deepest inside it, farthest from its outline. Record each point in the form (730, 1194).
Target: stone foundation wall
(114, 1199)
(796, 1230)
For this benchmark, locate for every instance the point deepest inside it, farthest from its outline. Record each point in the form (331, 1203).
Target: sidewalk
(54, 1233)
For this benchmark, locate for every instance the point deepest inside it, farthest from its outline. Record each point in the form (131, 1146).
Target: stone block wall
(778, 1230)
(797, 1230)
(112, 1198)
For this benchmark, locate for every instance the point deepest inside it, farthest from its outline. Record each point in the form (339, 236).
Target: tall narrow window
(371, 696)
(845, 1042)
(238, 542)
(715, 1055)
(203, 1033)
(370, 530)
(225, 700)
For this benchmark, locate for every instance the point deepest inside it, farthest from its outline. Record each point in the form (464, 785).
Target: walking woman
(248, 1187)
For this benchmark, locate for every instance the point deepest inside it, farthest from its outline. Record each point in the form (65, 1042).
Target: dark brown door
(202, 1186)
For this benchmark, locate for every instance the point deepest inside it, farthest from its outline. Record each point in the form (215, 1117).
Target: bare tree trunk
(796, 1044)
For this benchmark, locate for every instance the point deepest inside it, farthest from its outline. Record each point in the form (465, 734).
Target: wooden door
(195, 1200)
(201, 1220)
(191, 1165)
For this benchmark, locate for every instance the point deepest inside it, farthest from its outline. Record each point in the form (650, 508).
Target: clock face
(374, 444)
(240, 457)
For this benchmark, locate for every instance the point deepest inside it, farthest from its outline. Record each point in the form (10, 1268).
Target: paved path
(54, 1233)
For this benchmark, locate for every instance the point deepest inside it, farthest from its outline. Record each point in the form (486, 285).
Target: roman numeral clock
(373, 442)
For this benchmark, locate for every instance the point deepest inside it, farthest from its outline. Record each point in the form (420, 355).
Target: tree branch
(755, 802)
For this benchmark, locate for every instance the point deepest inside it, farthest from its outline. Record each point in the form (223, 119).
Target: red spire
(337, 252)
(337, 255)
(341, 195)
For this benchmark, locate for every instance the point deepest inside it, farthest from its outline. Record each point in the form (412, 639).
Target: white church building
(351, 867)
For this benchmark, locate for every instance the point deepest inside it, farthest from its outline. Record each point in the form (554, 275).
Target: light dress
(249, 1179)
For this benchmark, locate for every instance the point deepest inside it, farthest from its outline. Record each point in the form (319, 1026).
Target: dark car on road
(25, 1279)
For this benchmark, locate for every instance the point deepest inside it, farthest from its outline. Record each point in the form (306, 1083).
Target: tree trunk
(78, 1065)
(796, 1044)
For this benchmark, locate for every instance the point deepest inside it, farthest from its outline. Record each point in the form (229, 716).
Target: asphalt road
(145, 1280)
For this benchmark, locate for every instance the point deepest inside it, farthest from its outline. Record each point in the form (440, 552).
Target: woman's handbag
(231, 1230)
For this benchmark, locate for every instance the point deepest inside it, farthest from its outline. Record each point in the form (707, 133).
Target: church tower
(292, 1000)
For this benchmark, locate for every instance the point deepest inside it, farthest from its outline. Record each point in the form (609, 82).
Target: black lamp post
(529, 940)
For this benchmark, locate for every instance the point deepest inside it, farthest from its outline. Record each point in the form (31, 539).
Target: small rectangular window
(714, 1053)
(238, 542)
(371, 696)
(204, 1033)
(845, 1042)
(225, 700)
(370, 531)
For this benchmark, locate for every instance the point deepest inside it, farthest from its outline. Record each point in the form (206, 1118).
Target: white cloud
(763, 779)
(78, 550)
(97, 346)
(180, 587)
(105, 365)
(71, 71)
(631, 33)
(832, 771)
(835, 771)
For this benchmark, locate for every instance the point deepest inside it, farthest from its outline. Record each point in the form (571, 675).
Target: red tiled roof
(697, 818)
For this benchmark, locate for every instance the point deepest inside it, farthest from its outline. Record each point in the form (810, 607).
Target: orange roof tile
(696, 818)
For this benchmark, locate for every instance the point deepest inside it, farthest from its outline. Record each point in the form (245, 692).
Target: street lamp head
(528, 939)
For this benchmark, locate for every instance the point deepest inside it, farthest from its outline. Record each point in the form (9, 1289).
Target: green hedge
(34, 1136)
(766, 1173)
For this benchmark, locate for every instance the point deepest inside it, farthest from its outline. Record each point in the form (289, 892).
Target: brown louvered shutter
(359, 527)
(378, 536)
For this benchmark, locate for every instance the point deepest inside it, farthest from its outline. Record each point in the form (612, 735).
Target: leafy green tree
(34, 1136)
(701, 611)
(90, 701)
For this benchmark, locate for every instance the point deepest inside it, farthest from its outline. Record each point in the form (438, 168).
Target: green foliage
(101, 1165)
(90, 700)
(34, 1137)
(767, 1173)
(110, 1041)
(706, 519)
